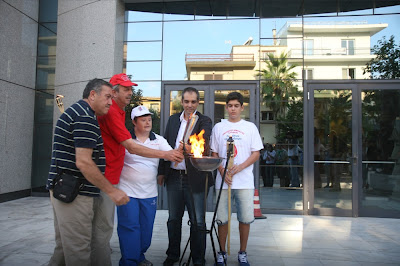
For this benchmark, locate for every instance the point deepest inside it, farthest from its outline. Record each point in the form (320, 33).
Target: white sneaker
(242, 258)
(221, 258)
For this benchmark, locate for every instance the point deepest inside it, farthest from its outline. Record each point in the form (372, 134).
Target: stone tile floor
(27, 238)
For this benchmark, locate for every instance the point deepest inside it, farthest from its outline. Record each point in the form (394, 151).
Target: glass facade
(380, 150)
(280, 54)
(332, 146)
(44, 94)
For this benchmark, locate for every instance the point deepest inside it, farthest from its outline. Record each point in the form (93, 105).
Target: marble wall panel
(86, 42)
(28, 7)
(65, 6)
(119, 37)
(16, 137)
(18, 44)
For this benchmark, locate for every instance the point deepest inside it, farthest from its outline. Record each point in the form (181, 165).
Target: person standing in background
(281, 162)
(269, 159)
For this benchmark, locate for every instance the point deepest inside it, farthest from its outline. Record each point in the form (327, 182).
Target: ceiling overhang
(254, 8)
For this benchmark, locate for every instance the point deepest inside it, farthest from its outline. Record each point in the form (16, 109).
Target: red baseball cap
(121, 79)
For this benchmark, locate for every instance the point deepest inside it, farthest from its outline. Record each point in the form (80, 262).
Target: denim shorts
(244, 202)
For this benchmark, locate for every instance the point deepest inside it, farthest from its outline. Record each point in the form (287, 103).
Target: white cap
(140, 111)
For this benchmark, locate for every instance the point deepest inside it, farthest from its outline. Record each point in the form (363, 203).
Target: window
(265, 53)
(349, 46)
(267, 116)
(308, 73)
(213, 77)
(348, 73)
(308, 47)
(155, 106)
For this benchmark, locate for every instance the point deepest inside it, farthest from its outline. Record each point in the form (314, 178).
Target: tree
(291, 125)
(386, 64)
(156, 117)
(135, 101)
(278, 86)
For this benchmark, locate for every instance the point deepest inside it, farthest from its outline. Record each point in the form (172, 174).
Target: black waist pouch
(66, 187)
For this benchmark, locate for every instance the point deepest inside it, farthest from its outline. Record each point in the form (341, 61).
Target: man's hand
(118, 197)
(160, 180)
(188, 147)
(236, 168)
(174, 156)
(228, 178)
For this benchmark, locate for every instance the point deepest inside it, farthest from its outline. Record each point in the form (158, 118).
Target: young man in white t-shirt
(247, 148)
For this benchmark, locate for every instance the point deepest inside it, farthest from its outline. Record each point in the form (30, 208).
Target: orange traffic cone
(257, 210)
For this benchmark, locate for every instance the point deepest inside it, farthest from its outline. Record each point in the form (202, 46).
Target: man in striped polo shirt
(78, 150)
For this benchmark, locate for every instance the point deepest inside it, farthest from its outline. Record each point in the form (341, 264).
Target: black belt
(180, 172)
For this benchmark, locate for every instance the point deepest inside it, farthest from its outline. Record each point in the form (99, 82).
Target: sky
(181, 35)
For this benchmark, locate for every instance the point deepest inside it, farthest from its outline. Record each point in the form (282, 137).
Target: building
(52, 48)
(332, 50)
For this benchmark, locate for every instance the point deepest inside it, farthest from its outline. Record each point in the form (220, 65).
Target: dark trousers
(269, 175)
(179, 196)
(283, 175)
(294, 172)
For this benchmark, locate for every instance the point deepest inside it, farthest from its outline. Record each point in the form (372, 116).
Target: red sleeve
(113, 123)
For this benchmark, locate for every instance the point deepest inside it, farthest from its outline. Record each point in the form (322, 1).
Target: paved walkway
(27, 238)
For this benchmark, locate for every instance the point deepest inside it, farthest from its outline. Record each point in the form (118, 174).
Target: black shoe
(169, 262)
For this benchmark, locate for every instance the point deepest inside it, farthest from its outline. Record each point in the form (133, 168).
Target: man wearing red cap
(116, 138)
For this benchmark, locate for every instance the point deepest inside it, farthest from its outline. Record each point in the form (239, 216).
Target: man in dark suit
(185, 184)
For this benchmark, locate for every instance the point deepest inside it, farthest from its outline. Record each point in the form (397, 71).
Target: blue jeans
(179, 196)
(135, 229)
(244, 202)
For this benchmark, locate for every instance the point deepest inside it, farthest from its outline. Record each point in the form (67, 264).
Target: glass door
(380, 142)
(353, 148)
(331, 155)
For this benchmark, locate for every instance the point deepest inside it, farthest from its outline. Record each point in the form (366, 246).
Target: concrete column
(90, 38)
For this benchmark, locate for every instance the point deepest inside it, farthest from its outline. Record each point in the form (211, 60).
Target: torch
(188, 130)
(59, 102)
(230, 144)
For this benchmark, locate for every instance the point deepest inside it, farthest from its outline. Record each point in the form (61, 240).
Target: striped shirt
(77, 127)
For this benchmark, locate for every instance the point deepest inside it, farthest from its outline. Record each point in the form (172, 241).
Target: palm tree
(278, 83)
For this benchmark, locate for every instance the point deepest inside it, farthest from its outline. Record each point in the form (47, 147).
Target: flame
(197, 142)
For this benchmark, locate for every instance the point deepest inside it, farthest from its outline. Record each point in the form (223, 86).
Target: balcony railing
(218, 57)
(295, 53)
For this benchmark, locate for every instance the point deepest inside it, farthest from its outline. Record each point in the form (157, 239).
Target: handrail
(219, 57)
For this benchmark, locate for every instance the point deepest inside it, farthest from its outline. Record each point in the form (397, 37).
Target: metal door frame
(210, 86)
(357, 86)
